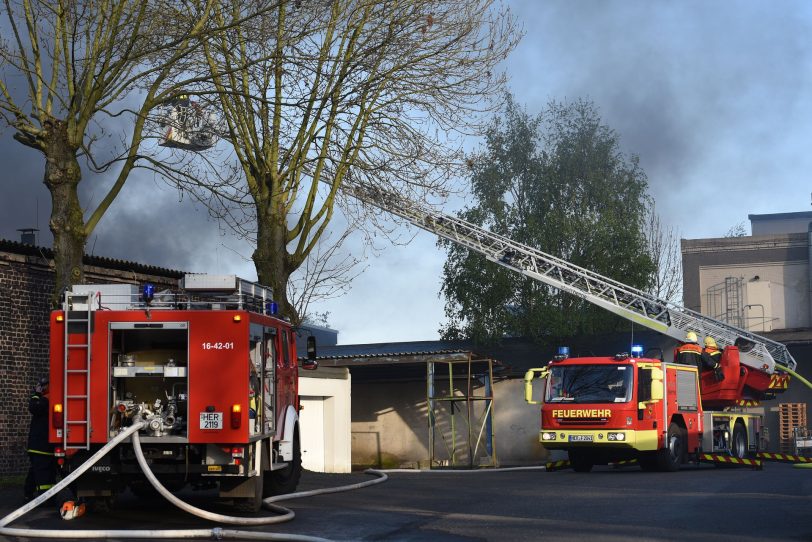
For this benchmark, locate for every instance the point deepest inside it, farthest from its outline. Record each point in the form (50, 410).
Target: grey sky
(713, 97)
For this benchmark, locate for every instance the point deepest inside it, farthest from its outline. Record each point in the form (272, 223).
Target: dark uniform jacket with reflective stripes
(38, 433)
(690, 354)
(711, 357)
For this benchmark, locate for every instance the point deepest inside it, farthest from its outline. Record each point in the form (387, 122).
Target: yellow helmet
(710, 343)
(691, 337)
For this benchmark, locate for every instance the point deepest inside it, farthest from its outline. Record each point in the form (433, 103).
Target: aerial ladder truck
(627, 407)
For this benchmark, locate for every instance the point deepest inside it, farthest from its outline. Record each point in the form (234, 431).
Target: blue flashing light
(563, 353)
(637, 351)
(272, 308)
(148, 293)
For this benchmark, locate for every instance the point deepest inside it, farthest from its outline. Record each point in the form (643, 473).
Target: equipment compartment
(149, 377)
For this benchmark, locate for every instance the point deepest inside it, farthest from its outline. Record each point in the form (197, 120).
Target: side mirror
(543, 372)
(310, 363)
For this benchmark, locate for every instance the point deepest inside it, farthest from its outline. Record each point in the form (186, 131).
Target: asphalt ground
(696, 503)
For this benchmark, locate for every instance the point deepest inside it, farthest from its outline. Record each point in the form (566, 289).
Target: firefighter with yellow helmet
(712, 358)
(690, 353)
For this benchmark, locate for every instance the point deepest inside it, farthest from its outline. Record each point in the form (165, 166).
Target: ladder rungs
(78, 345)
(77, 370)
(77, 422)
(76, 397)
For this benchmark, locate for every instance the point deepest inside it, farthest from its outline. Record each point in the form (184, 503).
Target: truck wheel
(143, 490)
(267, 486)
(100, 505)
(670, 458)
(251, 505)
(647, 461)
(285, 480)
(738, 446)
(581, 461)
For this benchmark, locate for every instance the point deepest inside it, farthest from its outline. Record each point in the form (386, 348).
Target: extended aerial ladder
(758, 352)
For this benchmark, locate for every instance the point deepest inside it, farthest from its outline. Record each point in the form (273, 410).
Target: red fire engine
(611, 409)
(209, 368)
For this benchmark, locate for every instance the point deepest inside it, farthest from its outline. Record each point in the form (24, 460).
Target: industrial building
(761, 283)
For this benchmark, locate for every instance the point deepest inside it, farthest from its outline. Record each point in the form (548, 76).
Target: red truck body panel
(218, 374)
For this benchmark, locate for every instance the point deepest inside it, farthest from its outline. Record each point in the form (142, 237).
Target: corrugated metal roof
(516, 354)
(16, 247)
(390, 349)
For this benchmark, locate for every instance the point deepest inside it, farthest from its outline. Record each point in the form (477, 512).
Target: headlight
(616, 436)
(548, 435)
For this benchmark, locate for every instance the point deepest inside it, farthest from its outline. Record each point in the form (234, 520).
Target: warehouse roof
(514, 355)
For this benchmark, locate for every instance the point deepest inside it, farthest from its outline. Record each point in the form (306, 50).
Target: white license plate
(580, 438)
(211, 420)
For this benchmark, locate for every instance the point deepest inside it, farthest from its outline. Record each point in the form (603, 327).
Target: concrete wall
(517, 426)
(780, 223)
(390, 426)
(781, 259)
(782, 290)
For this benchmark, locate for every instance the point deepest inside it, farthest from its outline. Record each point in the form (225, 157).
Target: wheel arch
(679, 420)
(289, 430)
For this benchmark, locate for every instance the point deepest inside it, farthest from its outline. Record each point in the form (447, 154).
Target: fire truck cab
(209, 368)
(604, 410)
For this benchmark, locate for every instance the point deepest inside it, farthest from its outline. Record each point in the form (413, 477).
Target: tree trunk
(62, 176)
(272, 262)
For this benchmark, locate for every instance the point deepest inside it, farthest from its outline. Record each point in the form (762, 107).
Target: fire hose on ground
(217, 533)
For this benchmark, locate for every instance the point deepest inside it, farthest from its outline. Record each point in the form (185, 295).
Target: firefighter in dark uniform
(712, 357)
(690, 353)
(42, 473)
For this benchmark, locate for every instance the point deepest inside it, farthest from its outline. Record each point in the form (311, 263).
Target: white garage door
(311, 423)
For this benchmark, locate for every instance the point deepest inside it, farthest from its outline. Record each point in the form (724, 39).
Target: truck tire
(581, 460)
(648, 461)
(738, 445)
(285, 480)
(251, 505)
(669, 458)
(100, 505)
(144, 490)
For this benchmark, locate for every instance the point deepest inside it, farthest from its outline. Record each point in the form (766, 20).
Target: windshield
(589, 384)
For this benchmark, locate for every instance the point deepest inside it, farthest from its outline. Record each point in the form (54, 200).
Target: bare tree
(737, 230)
(75, 71)
(377, 90)
(664, 249)
(326, 273)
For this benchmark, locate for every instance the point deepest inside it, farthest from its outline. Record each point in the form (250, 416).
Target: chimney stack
(28, 236)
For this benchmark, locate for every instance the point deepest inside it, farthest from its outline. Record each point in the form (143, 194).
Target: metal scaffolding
(460, 413)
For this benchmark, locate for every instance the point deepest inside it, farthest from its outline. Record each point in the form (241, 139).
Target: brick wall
(26, 283)
(24, 305)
